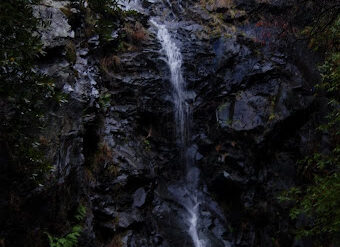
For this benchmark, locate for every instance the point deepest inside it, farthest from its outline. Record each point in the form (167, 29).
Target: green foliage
(24, 92)
(71, 238)
(319, 201)
(105, 15)
(104, 7)
(323, 34)
(17, 26)
(331, 75)
(147, 145)
(106, 18)
(105, 100)
(81, 212)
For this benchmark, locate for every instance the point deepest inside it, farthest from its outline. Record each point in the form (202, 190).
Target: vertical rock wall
(112, 143)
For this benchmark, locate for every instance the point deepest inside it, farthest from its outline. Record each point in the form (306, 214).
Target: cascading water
(182, 117)
(186, 198)
(174, 60)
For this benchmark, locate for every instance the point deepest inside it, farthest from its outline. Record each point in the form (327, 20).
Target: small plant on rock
(71, 238)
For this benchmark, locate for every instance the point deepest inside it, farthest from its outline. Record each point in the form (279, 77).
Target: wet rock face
(114, 139)
(251, 103)
(247, 113)
(57, 29)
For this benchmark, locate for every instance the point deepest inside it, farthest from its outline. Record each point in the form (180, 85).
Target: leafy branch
(71, 238)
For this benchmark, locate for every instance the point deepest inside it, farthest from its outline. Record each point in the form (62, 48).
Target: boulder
(139, 198)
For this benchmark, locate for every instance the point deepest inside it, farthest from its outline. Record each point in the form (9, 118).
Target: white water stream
(189, 199)
(174, 60)
(182, 118)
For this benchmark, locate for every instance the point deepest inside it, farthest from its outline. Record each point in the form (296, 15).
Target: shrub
(110, 63)
(319, 200)
(24, 92)
(102, 17)
(135, 33)
(71, 238)
(71, 52)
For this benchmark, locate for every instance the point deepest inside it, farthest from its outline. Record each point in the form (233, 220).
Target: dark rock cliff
(113, 147)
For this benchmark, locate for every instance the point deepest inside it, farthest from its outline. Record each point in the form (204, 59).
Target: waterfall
(174, 60)
(182, 119)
